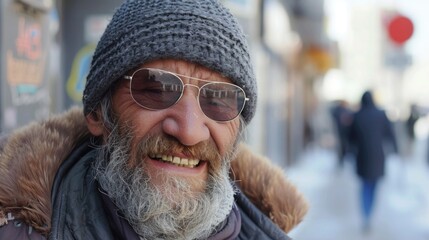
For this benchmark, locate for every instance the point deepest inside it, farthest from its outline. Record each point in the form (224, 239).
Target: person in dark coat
(342, 117)
(368, 133)
(411, 121)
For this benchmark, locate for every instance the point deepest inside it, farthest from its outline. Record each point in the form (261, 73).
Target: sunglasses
(156, 89)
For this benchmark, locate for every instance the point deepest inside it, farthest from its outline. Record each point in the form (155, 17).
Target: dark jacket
(342, 118)
(369, 132)
(47, 190)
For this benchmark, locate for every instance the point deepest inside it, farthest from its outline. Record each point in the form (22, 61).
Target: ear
(95, 123)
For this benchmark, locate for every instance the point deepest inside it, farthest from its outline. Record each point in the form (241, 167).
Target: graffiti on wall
(26, 63)
(94, 26)
(80, 69)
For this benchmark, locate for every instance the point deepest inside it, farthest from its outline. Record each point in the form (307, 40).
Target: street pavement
(401, 210)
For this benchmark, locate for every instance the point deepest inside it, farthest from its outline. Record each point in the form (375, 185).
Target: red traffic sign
(400, 29)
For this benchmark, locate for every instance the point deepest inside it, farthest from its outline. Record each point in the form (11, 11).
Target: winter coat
(369, 132)
(342, 118)
(47, 190)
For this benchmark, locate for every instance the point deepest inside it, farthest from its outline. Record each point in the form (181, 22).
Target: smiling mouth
(174, 160)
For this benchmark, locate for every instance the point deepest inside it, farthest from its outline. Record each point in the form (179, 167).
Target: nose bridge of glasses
(192, 86)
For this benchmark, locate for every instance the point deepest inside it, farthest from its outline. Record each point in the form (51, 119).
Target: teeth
(176, 160)
(182, 162)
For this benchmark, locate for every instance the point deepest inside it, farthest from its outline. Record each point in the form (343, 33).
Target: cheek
(138, 124)
(225, 135)
(135, 118)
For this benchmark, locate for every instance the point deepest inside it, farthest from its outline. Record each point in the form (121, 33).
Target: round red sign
(400, 29)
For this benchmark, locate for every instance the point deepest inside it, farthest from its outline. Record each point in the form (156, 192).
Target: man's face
(145, 149)
(184, 125)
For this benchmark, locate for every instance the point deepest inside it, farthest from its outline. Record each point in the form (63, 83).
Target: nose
(186, 122)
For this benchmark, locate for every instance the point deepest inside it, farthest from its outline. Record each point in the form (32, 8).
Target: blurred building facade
(24, 70)
(291, 51)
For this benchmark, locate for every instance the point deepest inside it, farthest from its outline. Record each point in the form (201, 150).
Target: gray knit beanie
(199, 31)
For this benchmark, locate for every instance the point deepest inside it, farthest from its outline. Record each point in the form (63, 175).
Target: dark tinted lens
(221, 101)
(155, 89)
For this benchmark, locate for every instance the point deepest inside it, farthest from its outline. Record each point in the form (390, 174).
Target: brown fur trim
(29, 161)
(267, 187)
(3, 219)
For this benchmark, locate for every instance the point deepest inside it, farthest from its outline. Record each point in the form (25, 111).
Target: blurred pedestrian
(411, 121)
(342, 117)
(368, 132)
(410, 124)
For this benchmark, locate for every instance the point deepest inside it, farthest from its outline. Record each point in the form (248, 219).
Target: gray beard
(150, 210)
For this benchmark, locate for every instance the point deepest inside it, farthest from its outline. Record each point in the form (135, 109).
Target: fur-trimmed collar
(31, 156)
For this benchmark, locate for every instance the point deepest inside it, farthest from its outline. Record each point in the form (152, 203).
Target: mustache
(167, 145)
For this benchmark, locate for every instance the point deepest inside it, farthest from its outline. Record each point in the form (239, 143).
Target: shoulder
(29, 160)
(267, 188)
(255, 224)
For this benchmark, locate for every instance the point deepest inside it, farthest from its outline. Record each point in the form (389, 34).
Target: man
(342, 118)
(369, 132)
(169, 93)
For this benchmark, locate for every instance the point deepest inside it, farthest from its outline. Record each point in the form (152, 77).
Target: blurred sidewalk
(401, 210)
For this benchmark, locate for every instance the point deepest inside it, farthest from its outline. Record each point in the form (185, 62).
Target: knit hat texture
(199, 31)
